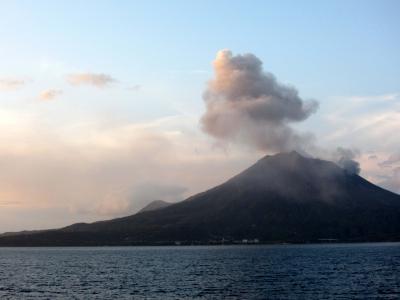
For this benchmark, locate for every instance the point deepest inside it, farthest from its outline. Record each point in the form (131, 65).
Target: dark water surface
(336, 271)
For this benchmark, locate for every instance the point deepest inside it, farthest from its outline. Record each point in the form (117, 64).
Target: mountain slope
(154, 205)
(281, 198)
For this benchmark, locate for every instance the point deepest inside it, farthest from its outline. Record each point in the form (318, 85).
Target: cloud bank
(246, 105)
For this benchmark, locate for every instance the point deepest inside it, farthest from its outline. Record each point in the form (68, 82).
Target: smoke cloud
(244, 104)
(345, 159)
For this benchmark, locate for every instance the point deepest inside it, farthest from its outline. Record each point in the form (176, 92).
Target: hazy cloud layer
(368, 123)
(98, 80)
(393, 159)
(124, 201)
(392, 166)
(50, 94)
(86, 171)
(392, 183)
(9, 84)
(135, 87)
(244, 104)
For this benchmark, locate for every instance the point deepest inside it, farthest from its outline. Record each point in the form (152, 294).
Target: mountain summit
(286, 197)
(156, 204)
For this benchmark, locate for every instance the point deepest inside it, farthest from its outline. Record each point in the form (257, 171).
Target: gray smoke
(247, 105)
(346, 160)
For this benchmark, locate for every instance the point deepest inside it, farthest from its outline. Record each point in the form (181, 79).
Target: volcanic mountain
(282, 198)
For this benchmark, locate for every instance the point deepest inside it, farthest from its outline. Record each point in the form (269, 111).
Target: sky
(105, 105)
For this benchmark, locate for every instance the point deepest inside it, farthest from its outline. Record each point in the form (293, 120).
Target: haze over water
(330, 271)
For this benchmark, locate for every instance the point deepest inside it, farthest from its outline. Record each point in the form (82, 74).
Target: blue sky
(344, 54)
(324, 48)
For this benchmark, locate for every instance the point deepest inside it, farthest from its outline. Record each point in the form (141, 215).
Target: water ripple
(362, 271)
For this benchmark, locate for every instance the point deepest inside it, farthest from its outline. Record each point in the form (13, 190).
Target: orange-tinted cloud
(97, 80)
(50, 94)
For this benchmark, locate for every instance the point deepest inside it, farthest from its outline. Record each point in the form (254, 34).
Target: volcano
(284, 198)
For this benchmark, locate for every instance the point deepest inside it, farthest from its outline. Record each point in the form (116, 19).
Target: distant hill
(156, 204)
(282, 198)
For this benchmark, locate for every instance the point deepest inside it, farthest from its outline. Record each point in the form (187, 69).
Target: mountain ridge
(281, 198)
(156, 204)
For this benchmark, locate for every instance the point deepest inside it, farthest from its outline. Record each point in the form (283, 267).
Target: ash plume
(345, 158)
(244, 104)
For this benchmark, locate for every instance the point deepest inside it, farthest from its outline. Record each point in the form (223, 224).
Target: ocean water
(333, 271)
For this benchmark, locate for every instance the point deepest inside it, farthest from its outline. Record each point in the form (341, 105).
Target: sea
(319, 271)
